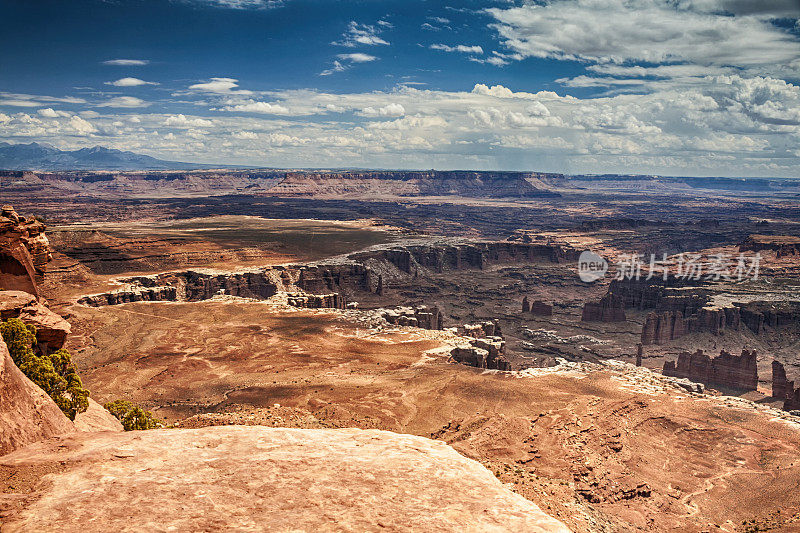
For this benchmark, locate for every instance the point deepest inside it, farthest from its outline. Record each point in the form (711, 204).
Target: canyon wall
(610, 308)
(660, 328)
(726, 370)
(413, 183)
(537, 307)
(362, 272)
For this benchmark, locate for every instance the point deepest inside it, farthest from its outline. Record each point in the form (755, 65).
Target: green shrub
(132, 416)
(55, 374)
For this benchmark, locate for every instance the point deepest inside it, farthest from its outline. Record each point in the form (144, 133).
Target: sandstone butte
(244, 478)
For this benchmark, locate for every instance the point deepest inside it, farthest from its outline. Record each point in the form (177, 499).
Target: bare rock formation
(254, 478)
(759, 315)
(660, 328)
(131, 294)
(24, 252)
(421, 316)
(539, 308)
(489, 328)
(51, 329)
(610, 308)
(782, 245)
(782, 388)
(27, 413)
(317, 301)
(96, 418)
(412, 183)
(726, 370)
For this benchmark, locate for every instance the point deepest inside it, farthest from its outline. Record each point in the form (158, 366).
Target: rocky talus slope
(256, 479)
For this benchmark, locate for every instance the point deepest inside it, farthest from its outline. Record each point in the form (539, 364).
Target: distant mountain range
(40, 156)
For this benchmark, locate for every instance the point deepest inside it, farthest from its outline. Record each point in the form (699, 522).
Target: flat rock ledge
(250, 478)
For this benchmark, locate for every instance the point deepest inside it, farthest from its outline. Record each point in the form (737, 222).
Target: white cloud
(463, 48)
(31, 100)
(124, 101)
(694, 32)
(127, 62)
(337, 67)
(130, 82)
(253, 106)
(52, 113)
(182, 121)
(357, 57)
(219, 86)
(81, 126)
(239, 4)
(390, 110)
(363, 34)
(729, 124)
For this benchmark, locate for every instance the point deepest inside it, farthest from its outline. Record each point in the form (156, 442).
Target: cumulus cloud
(219, 86)
(695, 32)
(724, 124)
(253, 106)
(52, 113)
(130, 82)
(390, 110)
(463, 48)
(363, 34)
(127, 62)
(182, 121)
(244, 135)
(81, 126)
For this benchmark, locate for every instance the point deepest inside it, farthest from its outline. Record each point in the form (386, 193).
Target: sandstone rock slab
(250, 478)
(27, 413)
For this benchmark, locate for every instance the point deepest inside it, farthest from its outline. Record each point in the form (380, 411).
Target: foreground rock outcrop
(27, 413)
(24, 252)
(256, 478)
(51, 329)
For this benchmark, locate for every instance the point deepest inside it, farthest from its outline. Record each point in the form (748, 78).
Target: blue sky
(692, 87)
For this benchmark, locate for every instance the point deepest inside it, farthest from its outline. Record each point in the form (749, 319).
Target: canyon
(451, 313)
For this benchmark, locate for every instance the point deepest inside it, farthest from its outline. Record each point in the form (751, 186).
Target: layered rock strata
(24, 252)
(725, 370)
(421, 316)
(537, 307)
(51, 329)
(610, 308)
(660, 328)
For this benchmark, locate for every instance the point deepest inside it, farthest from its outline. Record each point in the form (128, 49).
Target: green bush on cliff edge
(55, 374)
(132, 416)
